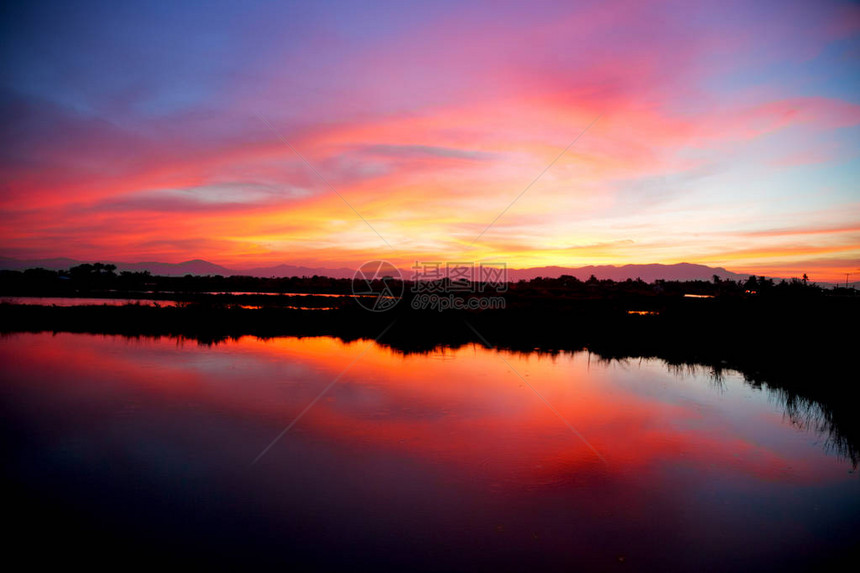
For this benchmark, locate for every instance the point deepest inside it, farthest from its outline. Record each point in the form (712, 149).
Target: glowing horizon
(720, 135)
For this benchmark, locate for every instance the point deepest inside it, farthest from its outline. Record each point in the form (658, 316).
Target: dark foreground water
(121, 452)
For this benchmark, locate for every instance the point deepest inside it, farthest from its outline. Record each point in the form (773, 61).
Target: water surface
(466, 459)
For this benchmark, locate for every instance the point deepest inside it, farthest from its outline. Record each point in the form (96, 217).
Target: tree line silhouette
(103, 280)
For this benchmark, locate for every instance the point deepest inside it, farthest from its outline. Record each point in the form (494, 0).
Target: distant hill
(648, 273)
(193, 267)
(294, 271)
(60, 263)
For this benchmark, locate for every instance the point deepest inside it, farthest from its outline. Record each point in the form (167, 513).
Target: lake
(459, 459)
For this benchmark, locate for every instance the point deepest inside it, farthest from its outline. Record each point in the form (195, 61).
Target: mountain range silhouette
(646, 272)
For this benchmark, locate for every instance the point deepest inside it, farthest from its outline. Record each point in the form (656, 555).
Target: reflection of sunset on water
(450, 449)
(465, 408)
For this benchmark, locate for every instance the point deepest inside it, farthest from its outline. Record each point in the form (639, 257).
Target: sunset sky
(332, 133)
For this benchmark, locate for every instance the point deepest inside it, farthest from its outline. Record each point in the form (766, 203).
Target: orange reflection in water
(490, 412)
(481, 413)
